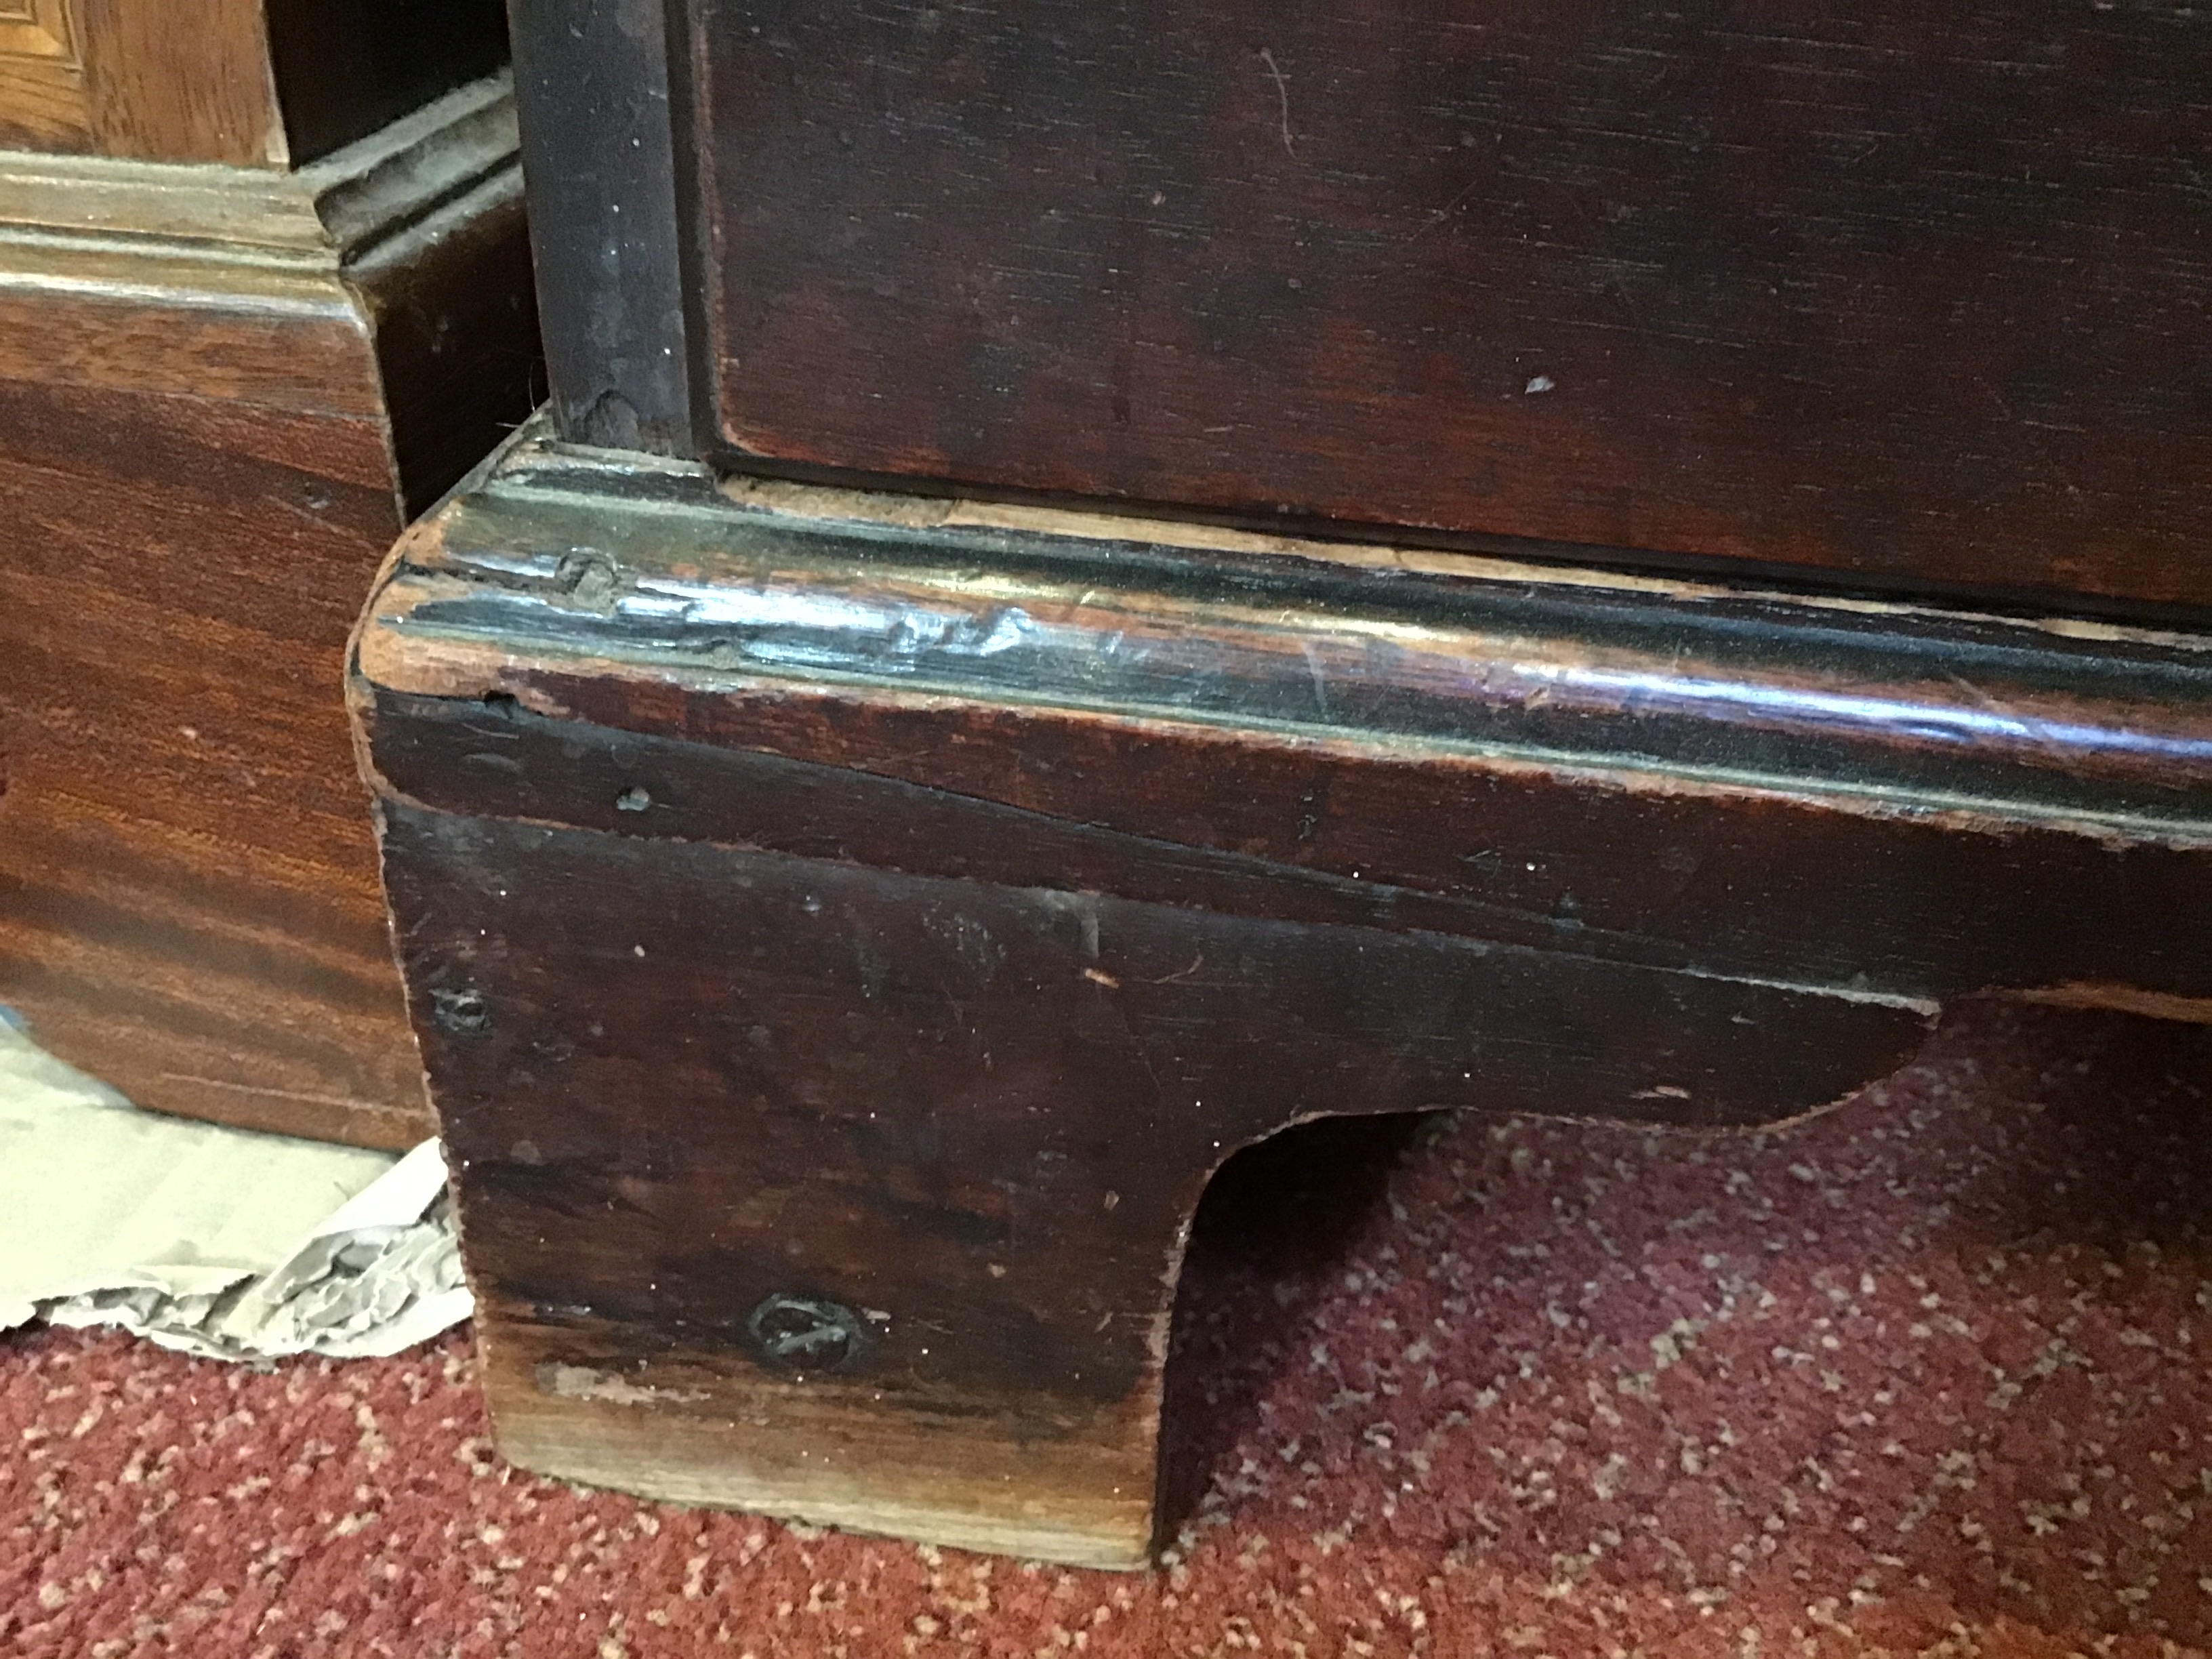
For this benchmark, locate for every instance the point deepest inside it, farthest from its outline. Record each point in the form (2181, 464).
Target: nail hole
(803, 1333)
(464, 1012)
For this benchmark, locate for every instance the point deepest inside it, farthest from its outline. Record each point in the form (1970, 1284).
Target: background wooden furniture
(1110, 578)
(223, 389)
(245, 82)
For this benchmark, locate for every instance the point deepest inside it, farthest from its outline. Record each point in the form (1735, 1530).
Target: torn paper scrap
(381, 1274)
(98, 1196)
(220, 1242)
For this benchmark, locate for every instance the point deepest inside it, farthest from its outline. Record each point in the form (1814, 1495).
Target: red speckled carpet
(1925, 1375)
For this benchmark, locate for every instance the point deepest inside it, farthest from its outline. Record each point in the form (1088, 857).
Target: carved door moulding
(42, 92)
(37, 28)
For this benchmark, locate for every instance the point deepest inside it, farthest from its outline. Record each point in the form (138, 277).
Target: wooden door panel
(42, 98)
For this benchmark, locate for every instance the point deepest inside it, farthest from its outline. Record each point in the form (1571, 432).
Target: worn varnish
(1913, 299)
(846, 932)
(209, 440)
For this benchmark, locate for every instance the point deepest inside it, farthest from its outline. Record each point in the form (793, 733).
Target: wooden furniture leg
(835, 1191)
(845, 932)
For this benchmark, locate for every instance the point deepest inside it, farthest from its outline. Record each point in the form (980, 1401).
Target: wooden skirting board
(223, 392)
(846, 932)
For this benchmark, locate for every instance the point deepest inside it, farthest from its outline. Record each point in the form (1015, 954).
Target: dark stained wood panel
(1816, 793)
(1917, 296)
(591, 90)
(343, 68)
(684, 1083)
(845, 932)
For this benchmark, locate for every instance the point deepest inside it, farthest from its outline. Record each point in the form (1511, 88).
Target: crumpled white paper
(219, 1242)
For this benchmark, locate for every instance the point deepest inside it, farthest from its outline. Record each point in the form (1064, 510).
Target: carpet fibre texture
(1927, 1374)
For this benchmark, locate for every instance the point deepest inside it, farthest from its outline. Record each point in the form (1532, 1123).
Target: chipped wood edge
(422, 662)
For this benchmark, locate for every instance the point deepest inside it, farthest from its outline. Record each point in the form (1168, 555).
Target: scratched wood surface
(698, 1096)
(845, 933)
(207, 453)
(1913, 298)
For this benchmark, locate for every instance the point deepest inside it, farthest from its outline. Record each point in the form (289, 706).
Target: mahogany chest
(1101, 580)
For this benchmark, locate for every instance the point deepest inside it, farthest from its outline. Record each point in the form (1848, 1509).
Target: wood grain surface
(42, 98)
(206, 453)
(1913, 300)
(183, 81)
(695, 1090)
(845, 933)
(188, 904)
(265, 83)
